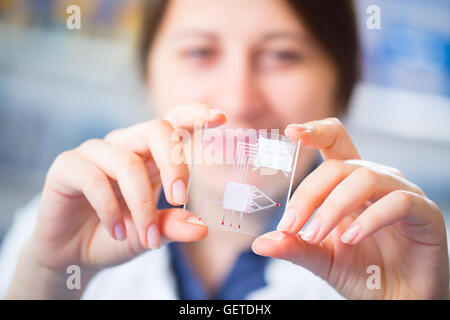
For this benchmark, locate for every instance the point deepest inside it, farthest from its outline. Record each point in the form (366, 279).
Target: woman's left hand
(368, 216)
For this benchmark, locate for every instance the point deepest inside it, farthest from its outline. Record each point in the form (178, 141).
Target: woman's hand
(98, 205)
(367, 214)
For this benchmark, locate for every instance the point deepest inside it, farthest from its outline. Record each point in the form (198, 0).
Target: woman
(289, 65)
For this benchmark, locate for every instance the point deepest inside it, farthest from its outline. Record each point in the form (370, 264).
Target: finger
(175, 225)
(292, 248)
(329, 136)
(72, 175)
(156, 139)
(311, 193)
(182, 225)
(362, 185)
(421, 219)
(173, 168)
(187, 116)
(129, 170)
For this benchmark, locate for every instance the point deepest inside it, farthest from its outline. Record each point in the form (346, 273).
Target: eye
(279, 59)
(199, 53)
(285, 56)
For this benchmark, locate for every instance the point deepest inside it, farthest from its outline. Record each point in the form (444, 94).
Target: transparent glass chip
(241, 179)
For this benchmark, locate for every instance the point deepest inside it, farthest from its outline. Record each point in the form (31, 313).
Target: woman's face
(252, 59)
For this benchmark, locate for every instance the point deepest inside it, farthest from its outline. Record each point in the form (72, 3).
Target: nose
(238, 92)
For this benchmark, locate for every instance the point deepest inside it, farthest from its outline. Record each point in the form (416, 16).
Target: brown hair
(332, 23)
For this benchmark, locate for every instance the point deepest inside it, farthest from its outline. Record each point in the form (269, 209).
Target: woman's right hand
(98, 205)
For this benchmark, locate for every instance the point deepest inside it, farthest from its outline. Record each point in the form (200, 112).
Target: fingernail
(215, 111)
(153, 237)
(350, 234)
(273, 235)
(304, 127)
(312, 229)
(119, 231)
(195, 220)
(287, 220)
(179, 192)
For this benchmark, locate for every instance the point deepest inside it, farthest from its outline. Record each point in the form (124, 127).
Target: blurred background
(59, 87)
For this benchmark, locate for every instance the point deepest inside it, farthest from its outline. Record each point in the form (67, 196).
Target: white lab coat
(149, 276)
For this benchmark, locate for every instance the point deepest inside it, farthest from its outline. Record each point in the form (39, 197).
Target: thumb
(181, 225)
(276, 244)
